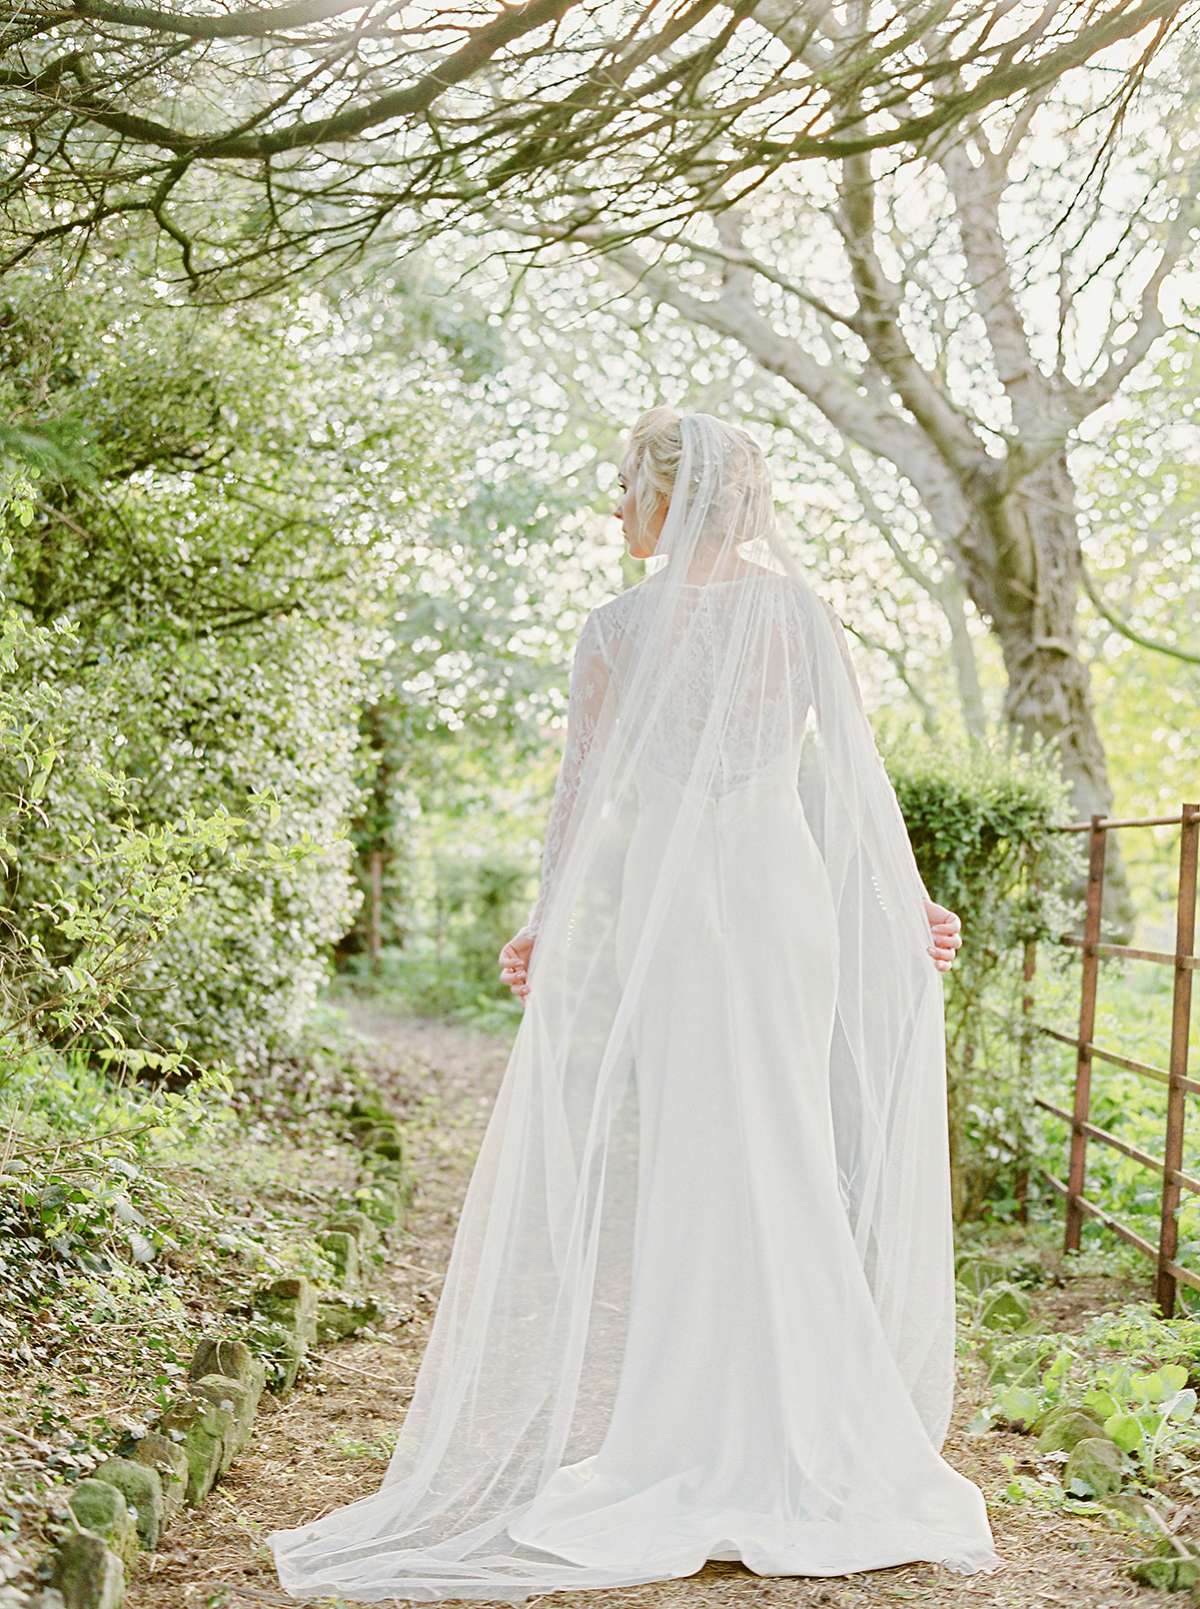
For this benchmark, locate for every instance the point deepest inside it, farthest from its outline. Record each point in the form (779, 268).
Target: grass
(419, 981)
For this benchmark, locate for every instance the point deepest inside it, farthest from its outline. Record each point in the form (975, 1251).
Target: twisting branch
(256, 23)
(362, 119)
(1131, 632)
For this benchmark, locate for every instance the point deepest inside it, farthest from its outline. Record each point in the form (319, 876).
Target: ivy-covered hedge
(980, 821)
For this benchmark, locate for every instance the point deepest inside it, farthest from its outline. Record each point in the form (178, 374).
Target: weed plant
(1132, 1371)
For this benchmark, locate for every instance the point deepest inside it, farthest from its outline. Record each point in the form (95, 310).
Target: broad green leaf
(1126, 1430)
(1018, 1403)
(1102, 1403)
(1182, 1405)
(1148, 1387)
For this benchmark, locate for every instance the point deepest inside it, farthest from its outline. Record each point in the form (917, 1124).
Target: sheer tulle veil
(719, 669)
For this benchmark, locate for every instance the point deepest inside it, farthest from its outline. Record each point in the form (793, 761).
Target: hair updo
(728, 497)
(656, 446)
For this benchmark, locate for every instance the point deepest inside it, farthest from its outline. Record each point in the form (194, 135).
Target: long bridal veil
(719, 678)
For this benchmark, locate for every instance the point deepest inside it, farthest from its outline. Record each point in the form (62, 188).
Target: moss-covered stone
(88, 1574)
(342, 1250)
(338, 1319)
(1167, 1575)
(235, 1398)
(223, 1355)
(292, 1301)
(1094, 1469)
(370, 1106)
(102, 1509)
(141, 1487)
(206, 1433)
(232, 1360)
(289, 1307)
(386, 1193)
(168, 1459)
(1062, 1430)
(1005, 1307)
(358, 1225)
(378, 1131)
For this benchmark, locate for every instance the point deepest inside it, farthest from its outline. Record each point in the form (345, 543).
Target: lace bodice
(765, 693)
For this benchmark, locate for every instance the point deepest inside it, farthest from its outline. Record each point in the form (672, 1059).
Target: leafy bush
(76, 1199)
(191, 575)
(1132, 1371)
(980, 822)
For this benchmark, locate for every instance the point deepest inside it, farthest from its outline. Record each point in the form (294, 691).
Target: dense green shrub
(980, 822)
(196, 574)
(69, 955)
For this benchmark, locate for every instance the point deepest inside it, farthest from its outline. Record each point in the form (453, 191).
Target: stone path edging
(124, 1506)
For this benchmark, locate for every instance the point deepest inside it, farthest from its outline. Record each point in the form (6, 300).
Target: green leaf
(1148, 1387)
(1102, 1403)
(1126, 1430)
(1018, 1404)
(1182, 1405)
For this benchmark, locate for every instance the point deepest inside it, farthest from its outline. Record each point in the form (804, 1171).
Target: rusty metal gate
(1174, 1076)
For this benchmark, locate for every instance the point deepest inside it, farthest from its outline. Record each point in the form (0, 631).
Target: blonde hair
(655, 446)
(737, 483)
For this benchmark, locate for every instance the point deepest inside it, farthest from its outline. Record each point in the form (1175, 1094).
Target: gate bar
(1181, 1016)
(1087, 1024)
(1083, 1206)
(1163, 957)
(1136, 821)
(1158, 1074)
(1154, 1163)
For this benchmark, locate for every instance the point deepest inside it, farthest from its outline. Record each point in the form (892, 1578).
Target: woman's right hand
(947, 934)
(514, 963)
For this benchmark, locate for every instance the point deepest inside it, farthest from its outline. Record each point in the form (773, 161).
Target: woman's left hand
(514, 964)
(947, 935)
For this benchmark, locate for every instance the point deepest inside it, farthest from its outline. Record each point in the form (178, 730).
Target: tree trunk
(1028, 588)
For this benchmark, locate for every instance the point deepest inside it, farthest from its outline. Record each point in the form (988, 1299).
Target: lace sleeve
(585, 714)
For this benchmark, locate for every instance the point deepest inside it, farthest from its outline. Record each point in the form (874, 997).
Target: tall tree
(341, 122)
(962, 322)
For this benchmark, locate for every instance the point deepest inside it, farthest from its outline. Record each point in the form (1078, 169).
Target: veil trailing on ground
(717, 682)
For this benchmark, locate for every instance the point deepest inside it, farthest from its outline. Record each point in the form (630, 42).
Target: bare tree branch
(1150, 324)
(483, 44)
(367, 120)
(1131, 632)
(253, 23)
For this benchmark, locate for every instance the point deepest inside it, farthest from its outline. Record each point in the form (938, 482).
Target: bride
(700, 1304)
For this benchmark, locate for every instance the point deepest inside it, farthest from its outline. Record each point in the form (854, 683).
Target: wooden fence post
(375, 937)
(1025, 1063)
(1181, 1016)
(1097, 844)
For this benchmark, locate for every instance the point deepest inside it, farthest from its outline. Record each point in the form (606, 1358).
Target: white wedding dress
(701, 1302)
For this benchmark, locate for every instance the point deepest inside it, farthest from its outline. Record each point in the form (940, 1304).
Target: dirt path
(329, 1443)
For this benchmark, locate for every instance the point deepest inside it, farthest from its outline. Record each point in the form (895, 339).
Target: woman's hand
(947, 935)
(514, 963)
